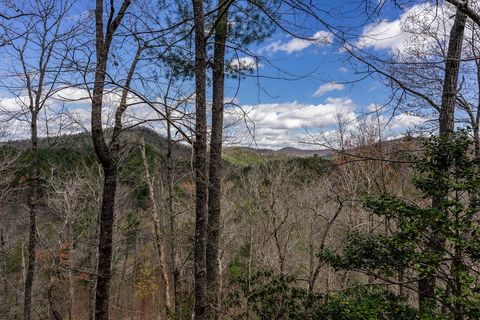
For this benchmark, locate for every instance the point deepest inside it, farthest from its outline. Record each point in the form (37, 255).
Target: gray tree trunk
(32, 207)
(200, 157)
(215, 165)
(426, 285)
(106, 156)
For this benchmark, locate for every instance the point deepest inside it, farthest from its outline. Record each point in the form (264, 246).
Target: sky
(299, 89)
(322, 82)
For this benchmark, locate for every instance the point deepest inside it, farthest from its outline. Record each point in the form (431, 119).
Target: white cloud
(382, 35)
(417, 28)
(231, 100)
(320, 38)
(278, 124)
(374, 107)
(406, 121)
(244, 63)
(69, 110)
(13, 104)
(72, 94)
(61, 95)
(327, 87)
(292, 115)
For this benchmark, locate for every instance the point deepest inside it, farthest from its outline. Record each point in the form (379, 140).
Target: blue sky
(304, 86)
(325, 76)
(316, 65)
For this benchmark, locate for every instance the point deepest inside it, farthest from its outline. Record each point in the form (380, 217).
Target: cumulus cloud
(412, 30)
(244, 63)
(16, 104)
(374, 107)
(382, 35)
(327, 87)
(407, 121)
(293, 115)
(61, 95)
(276, 124)
(68, 111)
(320, 38)
(70, 94)
(272, 125)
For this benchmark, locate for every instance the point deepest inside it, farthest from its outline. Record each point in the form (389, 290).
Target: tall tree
(200, 158)
(107, 153)
(215, 164)
(426, 285)
(38, 41)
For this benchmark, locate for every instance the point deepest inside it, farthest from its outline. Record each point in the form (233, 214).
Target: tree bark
(105, 243)
(106, 155)
(463, 6)
(426, 285)
(200, 157)
(32, 206)
(171, 213)
(452, 70)
(215, 165)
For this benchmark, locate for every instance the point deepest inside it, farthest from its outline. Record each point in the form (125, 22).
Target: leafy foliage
(447, 173)
(270, 296)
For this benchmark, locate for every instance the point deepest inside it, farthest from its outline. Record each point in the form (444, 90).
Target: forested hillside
(278, 213)
(240, 159)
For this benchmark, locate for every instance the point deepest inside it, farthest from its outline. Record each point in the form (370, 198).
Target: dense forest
(147, 171)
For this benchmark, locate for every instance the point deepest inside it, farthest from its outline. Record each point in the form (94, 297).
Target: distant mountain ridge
(82, 140)
(295, 152)
(183, 150)
(286, 151)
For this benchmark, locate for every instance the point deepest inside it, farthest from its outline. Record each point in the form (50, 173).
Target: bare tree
(46, 33)
(107, 153)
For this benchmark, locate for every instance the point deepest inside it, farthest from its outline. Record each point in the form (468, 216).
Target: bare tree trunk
(106, 154)
(158, 231)
(457, 269)
(464, 6)
(215, 165)
(200, 155)
(452, 70)
(105, 243)
(32, 206)
(476, 124)
(171, 213)
(121, 285)
(426, 285)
